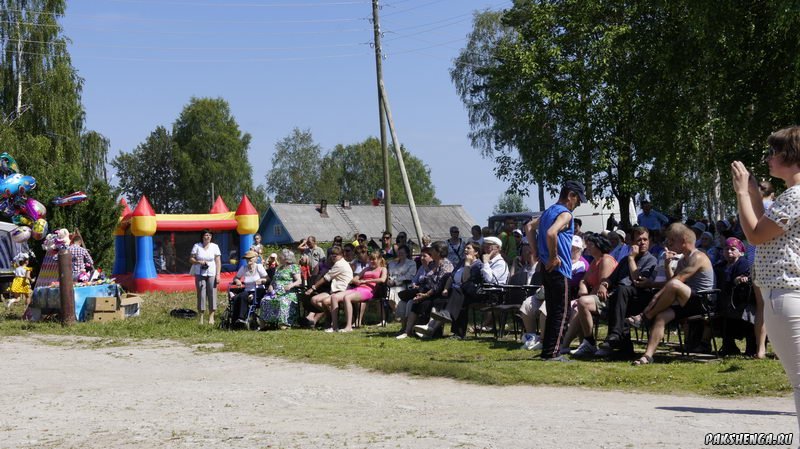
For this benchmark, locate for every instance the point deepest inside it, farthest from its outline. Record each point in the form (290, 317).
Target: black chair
(708, 303)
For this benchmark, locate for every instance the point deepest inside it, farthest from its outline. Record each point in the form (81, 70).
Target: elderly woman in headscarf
(737, 299)
(279, 306)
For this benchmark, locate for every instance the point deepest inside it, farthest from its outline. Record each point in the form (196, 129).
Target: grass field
(480, 360)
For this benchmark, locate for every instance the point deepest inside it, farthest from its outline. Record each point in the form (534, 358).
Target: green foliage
(98, 218)
(638, 98)
(42, 122)
(300, 174)
(510, 202)
(355, 172)
(211, 149)
(94, 152)
(295, 169)
(150, 170)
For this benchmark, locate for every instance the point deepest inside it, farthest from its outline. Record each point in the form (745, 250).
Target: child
(21, 286)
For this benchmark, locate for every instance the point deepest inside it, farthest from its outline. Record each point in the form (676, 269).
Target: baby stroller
(230, 320)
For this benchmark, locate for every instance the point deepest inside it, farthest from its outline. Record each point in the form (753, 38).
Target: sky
(282, 64)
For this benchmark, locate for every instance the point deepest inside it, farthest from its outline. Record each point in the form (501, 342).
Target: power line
(136, 47)
(190, 21)
(195, 60)
(244, 5)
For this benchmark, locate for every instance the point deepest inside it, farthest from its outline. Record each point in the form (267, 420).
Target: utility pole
(399, 155)
(387, 196)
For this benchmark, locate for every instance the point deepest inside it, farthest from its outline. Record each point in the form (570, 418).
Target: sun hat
(250, 254)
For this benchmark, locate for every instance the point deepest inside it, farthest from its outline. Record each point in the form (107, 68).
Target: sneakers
(586, 349)
(441, 315)
(564, 351)
(402, 336)
(423, 330)
(604, 351)
(330, 330)
(531, 342)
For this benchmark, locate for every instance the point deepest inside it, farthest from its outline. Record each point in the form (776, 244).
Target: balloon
(21, 220)
(35, 209)
(380, 194)
(20, 234)
(7, 164)
(69, 200)
(17, 184)
(39, 229)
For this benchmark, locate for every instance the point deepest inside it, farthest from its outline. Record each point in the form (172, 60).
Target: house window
(277, 230)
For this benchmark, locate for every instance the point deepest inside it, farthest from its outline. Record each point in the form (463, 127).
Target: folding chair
(708, 302)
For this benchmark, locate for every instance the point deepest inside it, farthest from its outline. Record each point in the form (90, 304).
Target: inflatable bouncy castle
(152, 250)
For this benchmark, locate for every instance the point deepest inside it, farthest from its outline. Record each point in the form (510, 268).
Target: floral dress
(280, 307)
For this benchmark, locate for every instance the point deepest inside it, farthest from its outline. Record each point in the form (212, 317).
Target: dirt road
(73, 393)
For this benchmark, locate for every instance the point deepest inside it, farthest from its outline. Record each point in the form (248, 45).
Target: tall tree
(41, 116)
(510, 202)
(354, 172)
(295, 169)
(632, 98)
(211, 156)
(150, 170)
(98, 217)
(94, 157)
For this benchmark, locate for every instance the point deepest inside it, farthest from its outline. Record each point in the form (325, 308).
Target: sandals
(644, 360)
(637, 321)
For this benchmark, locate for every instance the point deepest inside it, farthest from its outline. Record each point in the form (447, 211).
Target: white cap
(493, 241)
(577, 242)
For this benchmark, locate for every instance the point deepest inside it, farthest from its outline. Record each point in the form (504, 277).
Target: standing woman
(206, 265)
(776, 234)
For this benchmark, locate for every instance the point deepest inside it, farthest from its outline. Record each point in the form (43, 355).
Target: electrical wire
(220, 61)
(136, 47)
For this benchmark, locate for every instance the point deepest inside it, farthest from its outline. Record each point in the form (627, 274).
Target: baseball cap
(577, 242)
(578, 188)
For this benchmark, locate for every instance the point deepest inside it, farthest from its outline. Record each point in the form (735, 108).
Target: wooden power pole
(387, 195)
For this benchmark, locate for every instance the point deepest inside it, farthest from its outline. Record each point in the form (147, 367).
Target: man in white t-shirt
(338, 278)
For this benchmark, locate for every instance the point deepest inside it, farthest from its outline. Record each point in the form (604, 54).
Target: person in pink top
(363, 289)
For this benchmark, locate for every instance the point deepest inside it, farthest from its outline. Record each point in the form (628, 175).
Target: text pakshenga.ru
(748, 439)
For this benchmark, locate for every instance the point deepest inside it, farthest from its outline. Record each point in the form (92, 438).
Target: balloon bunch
(28, 214)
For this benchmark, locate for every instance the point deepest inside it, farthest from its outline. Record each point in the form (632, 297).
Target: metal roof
(302, 220)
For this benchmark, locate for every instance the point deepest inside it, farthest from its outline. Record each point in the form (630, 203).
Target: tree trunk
(18, 55)
(541, 195)
(624, 210)
(65, 289)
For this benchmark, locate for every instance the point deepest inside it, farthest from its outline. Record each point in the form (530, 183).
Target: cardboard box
(109, 316)
(105, 304)
(129, 298)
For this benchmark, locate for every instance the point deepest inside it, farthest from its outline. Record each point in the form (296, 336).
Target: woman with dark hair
(206, 262)
(588, 303)
(434, 285)
(776, 234)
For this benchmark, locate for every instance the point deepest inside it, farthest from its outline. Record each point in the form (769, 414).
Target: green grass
(481, 360)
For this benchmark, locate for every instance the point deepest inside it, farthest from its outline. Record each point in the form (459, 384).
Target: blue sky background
(283, 64)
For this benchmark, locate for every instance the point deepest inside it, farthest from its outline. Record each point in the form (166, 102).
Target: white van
(594, 218)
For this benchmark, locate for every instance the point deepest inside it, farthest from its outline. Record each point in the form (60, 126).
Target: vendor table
(48, 297)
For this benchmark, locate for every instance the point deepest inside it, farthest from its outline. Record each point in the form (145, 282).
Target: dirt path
(84, 394)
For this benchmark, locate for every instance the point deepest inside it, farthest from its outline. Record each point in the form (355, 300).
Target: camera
(204, 265)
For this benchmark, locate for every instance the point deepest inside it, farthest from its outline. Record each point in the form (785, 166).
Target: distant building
(289, 223)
